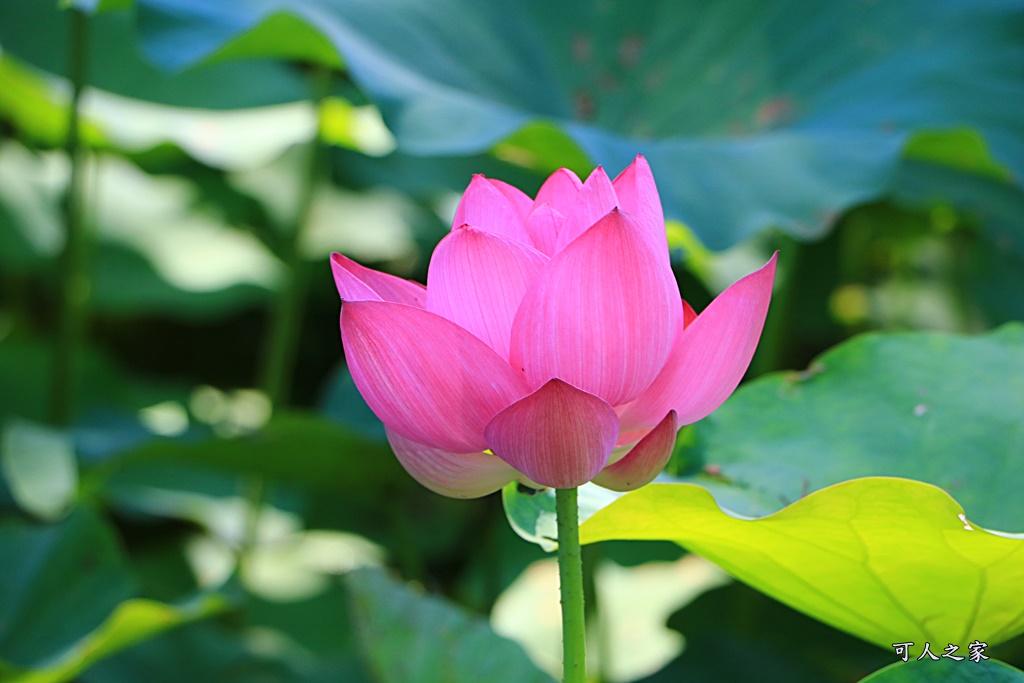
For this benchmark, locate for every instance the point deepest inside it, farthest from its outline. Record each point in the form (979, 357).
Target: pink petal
(359, 283)
(558, 436)
(424, 376)
(602, 315)
(477, 280)
(485, 207)
(543, 225)
(638, 195)
(519, 200)
(710, 355)
(456, 475)
(645, 461)
(559, 191)
(595, 199)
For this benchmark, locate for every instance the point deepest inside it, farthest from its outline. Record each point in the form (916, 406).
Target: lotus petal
(602, 315)
(710, 355)
(425, 377)
(456, 475)
(359, 283)
(477, 280)
(484, 206)
(645, 461)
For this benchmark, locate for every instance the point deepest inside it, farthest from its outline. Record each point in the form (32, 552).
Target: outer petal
(485, 207)
(602, 316)
(359, 283)
(557, 436)
(645, 461)
(710, 355)
(638, 195)
(543, 225)
(456, 475)
(425, 377)
(595, 199)
(519, 200)
(477, 280)
(559, 191)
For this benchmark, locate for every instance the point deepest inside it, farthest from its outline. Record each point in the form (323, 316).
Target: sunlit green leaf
(962, 149)
(410, 638)
(281, 35)
(132, 622)
(889, 560)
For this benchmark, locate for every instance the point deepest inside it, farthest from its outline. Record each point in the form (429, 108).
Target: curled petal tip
(645, 461)
(358, 283)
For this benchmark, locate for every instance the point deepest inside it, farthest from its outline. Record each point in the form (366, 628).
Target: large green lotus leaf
(38, 33)
(938, 408)
(57, 584)
(928, 671)
(889, 560)
(132, 622)
(752, 114)
(410, 638)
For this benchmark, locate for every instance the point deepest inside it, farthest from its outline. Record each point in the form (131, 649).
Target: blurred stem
(570, 581)
(281, 347)
(75, 279)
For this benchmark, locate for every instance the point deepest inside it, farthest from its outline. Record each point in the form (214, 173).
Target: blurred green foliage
(878, 145)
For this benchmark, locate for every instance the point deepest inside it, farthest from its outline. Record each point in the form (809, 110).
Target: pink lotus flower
(550, 345)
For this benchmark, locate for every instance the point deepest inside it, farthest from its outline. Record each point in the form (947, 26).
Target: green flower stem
(286, 315)
(570, 575)
(75, 278)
